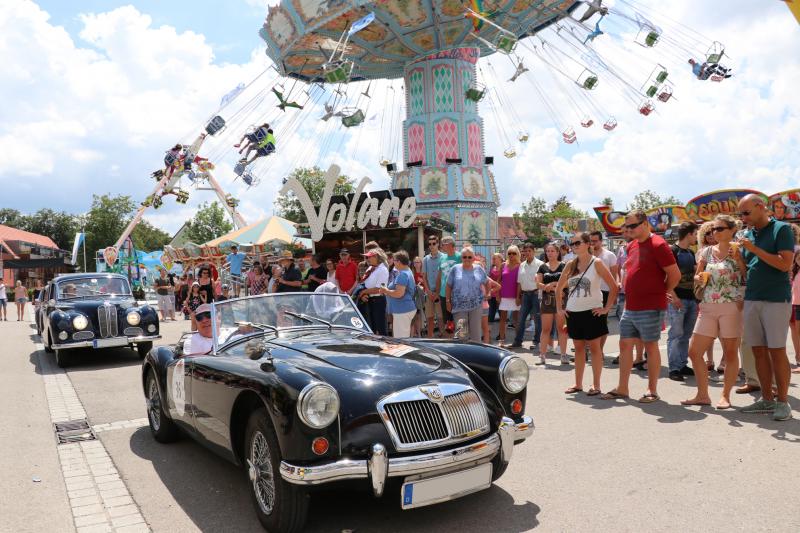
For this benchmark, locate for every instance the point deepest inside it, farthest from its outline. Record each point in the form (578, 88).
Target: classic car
(299, 391)
(93, 311)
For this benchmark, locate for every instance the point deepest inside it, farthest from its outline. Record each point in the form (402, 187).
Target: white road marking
(98, 497)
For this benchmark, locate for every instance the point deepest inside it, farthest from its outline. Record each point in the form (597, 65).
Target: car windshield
(272, 312)
(92, 287)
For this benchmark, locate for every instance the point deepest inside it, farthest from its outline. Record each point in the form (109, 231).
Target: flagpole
(84, 249)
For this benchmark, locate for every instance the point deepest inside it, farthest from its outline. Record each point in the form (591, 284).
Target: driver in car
(201, 342)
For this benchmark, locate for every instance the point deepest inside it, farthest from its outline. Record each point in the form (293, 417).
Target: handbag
(699, 287)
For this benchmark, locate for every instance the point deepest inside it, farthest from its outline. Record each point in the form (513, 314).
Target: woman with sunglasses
(466, 286)
(584, 311)
(547, 280)
(331, 275)
(705, 238)
(722, 269)
(206, 284)
(195, 299)
(509, 299)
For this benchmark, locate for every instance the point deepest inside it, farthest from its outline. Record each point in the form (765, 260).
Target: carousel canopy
(269, 230)
(301, 36)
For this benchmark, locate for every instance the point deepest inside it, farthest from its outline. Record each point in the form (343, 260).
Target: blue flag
(231, 95)
(361, 23)
(78, 241)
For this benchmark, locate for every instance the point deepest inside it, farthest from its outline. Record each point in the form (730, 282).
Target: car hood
(365, 353)
(87, 305)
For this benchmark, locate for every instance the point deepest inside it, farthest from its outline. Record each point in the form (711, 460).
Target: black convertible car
(93, 311)
(295, 388)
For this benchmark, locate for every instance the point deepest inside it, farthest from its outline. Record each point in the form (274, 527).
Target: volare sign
(340, 217)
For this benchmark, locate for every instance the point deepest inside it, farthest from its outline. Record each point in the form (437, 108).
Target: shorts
(720, 320)
(21, 300)
(448, 316)
(795, 314)
(645, 325)
(508, 304)
(165, 302)
(3, 302)
(432, 308)
(548, 303)
(585, 326)
(766, 323)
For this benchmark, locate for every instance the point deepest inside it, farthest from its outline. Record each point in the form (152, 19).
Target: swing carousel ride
(436, 62)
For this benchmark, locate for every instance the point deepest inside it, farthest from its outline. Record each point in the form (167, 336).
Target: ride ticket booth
(392, 237)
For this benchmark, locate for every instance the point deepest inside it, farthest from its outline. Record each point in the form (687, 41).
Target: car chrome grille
(107, 321)
(416, 420)
(82, 335)
(133, 332)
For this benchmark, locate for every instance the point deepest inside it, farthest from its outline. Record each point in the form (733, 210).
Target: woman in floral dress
(720, 314)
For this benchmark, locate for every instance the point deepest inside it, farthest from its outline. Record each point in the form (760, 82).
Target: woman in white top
(331, 266)
(377, 277)
(585, 312)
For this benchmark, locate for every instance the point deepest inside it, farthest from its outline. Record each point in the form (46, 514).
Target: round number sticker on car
(356, 322)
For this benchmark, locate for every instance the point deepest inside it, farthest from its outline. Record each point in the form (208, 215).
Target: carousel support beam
(420, 241)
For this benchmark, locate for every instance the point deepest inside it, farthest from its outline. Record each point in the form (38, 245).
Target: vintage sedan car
(297, 389)
(94, 310)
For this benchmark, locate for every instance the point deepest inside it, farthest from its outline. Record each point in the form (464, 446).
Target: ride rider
(252, 139)
(265, 147)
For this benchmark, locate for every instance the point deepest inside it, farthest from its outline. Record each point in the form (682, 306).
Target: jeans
(620, 305)
(681, 325)
(377, 314)
(530, 306)
(493, 305)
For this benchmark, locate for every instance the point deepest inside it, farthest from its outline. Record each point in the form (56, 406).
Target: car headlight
(318, 405)
(514, 374)
(79, 322)
(134, 318)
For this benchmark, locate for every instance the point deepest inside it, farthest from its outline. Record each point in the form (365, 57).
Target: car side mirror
(51, 302)
(256, 349)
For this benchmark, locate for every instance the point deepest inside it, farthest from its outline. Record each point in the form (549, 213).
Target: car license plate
(447, 487)
(109, 343)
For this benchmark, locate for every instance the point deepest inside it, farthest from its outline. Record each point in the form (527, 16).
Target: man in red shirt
(346, 271)
(651, 274)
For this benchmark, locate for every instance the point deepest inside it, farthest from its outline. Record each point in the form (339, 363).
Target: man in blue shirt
(432, 283)
(235, 260)
(768, 253)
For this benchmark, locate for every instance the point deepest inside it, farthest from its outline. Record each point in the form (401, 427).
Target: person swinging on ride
(252, 139)
(265, 147)
(172, 158)
(706, 70)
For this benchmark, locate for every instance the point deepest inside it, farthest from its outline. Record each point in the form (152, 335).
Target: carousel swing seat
(587, 122)
(610, 124)
(239, 169)
(215, 125)
(648, 36)
(523, 137)
(646, 107)
(569, 135)
(587, 80)
(338, 72)
(352, 117)
(505, 43)
(249, 179)
(510, 153)
(715, 53)
(651, 91)
(475, 94)
(665, 94)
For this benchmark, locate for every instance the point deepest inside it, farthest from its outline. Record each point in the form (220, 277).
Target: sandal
(694, 402)
(573, 390)
(593, 392)
(639, 365)
(613, 395)
(649, 398)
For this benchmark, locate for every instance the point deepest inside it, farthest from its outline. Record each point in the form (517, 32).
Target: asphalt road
(591, 465)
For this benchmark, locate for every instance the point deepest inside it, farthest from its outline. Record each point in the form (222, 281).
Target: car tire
(288, 508)
(498, 468)
(62, 358)
(164, 430)
(47, 346)
(143, 348)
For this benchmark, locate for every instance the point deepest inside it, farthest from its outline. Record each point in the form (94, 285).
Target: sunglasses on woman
(467, 257)
(576, 243)
(512, 253)
(720, 228)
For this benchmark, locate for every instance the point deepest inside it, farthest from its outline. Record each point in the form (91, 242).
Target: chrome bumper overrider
(90, 343)
(380, 466)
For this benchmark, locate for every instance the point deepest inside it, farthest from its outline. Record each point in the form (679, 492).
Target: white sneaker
(564, 359)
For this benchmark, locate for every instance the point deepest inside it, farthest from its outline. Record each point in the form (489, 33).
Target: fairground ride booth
(391, 237)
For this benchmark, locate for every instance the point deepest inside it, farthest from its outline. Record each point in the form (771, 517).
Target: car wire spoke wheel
(154, 405)
(260, 470)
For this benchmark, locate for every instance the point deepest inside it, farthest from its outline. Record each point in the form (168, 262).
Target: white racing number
(356, 322)
(176, 390)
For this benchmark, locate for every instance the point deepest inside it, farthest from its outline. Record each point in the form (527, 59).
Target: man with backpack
(682, 311)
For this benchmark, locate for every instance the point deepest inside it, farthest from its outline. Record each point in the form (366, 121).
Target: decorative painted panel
(442, 88)
(472, 183)
(416, 143)
(474, 148)
(445, 140)
(473, 226)
(416, 92)
(433, 184)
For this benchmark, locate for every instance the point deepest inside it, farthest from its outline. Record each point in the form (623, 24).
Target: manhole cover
(73, 431)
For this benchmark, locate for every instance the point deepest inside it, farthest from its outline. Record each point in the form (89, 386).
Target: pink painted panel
(446, 140)
(474, 144)
(416, 143)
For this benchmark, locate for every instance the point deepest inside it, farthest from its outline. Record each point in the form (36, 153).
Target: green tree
(149, 238)
(648, 199)
(105, 222)
(208, 223)
(607, 201)
(534, 218)
(562, 208)
(11, 217)
(59, 226)
(313, 180)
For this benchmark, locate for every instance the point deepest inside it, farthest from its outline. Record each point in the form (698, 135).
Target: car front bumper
(120, 341)
(380, 466)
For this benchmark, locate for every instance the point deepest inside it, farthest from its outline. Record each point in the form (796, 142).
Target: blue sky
(96, 90)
